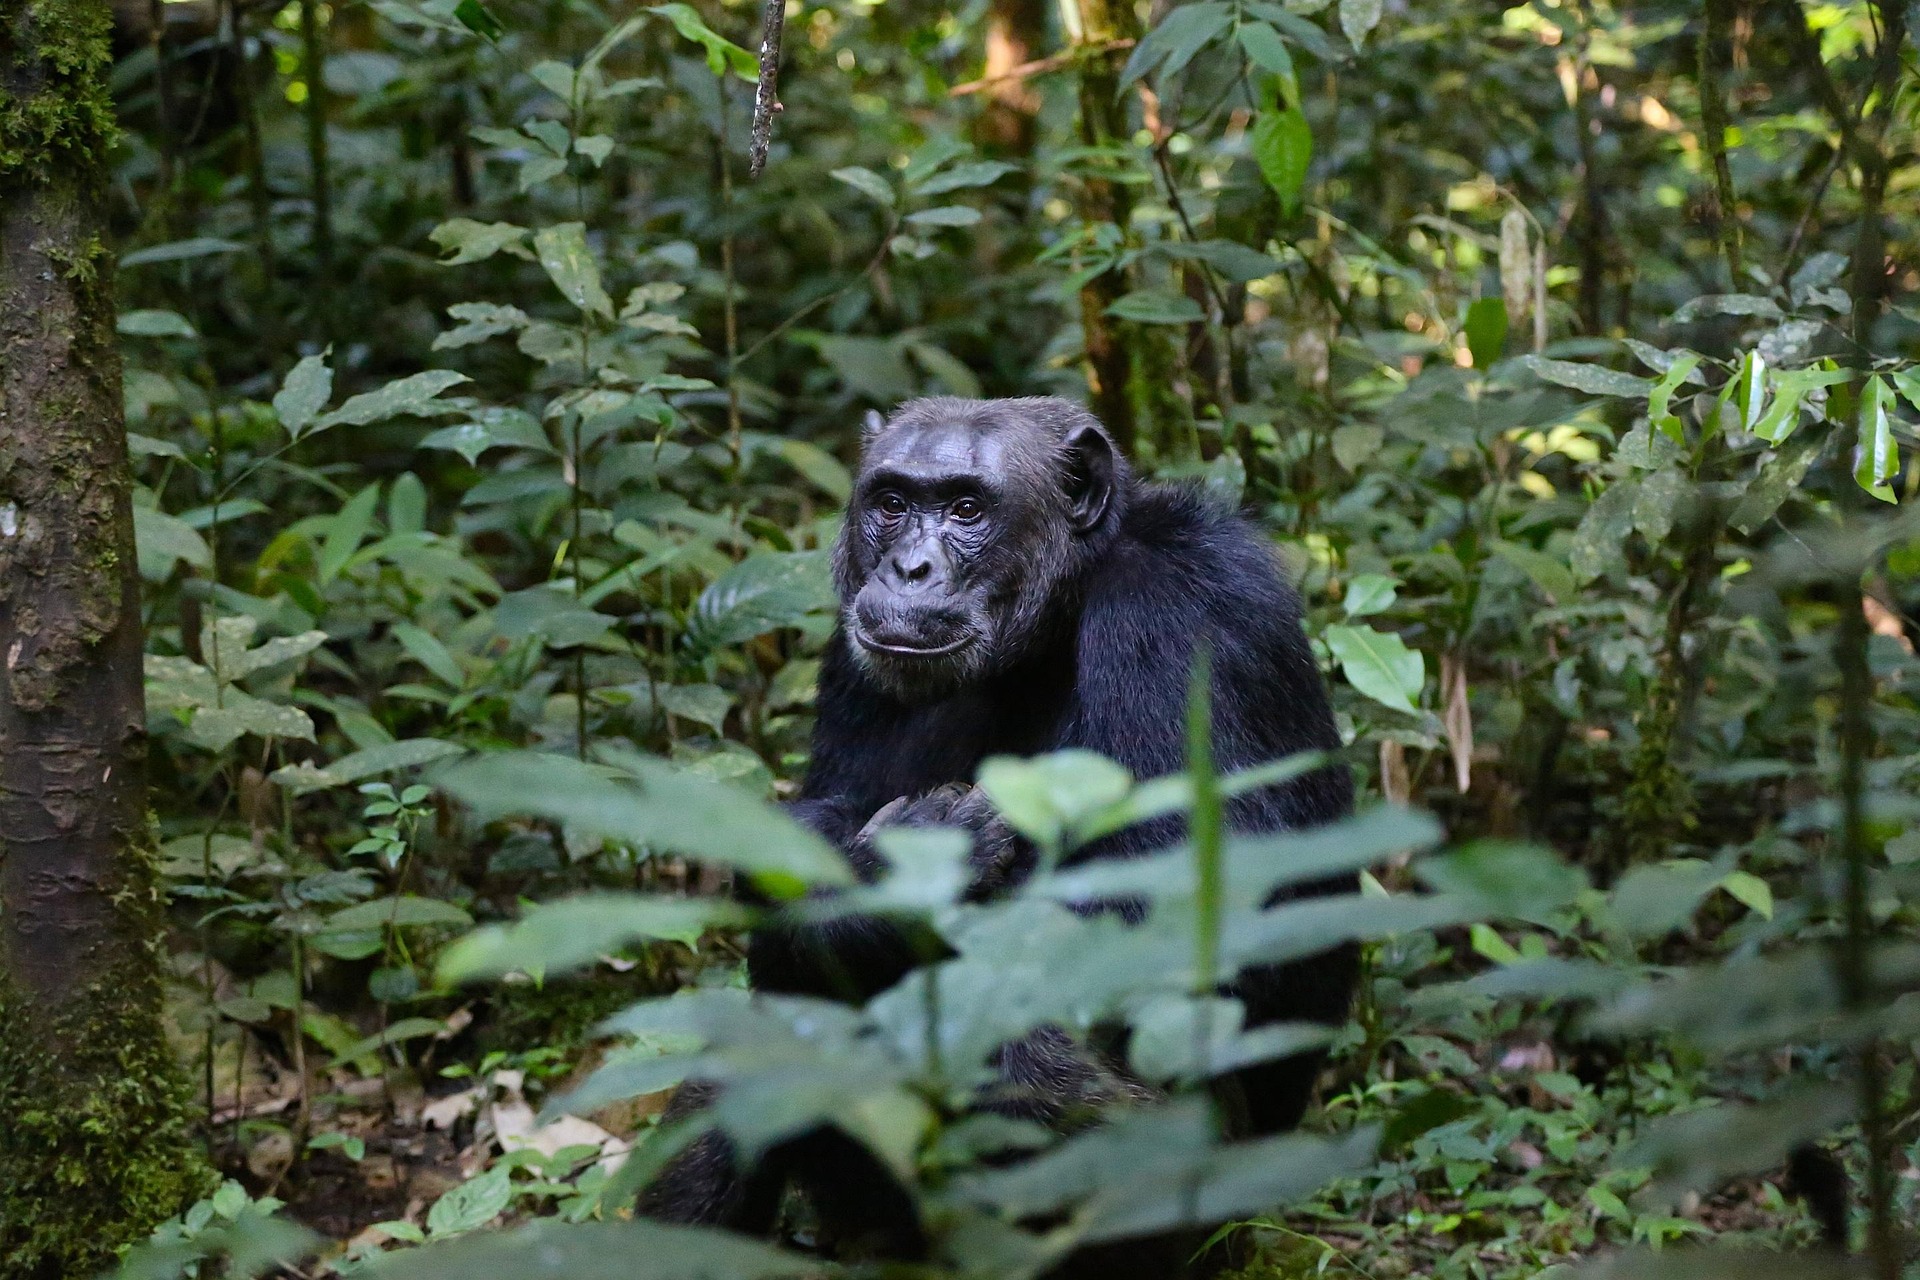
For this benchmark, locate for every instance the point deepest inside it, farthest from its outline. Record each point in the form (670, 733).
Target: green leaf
(1266, 50)
(384, 758)
(1232, 260)
(1681, 370)
(570, 265)
(473, 1204)
(1596, 543)
(346, 530)
(560, 936)
(479, 19)
(411, 396)
(765, 592)
(1171, 45)
(425, 648)
(471, 241)
(1486, 328)
(1283, 148)
(671, 809)
(1379, 664)
(1727, 304)
(180, 251)
(549, 1249)
(721, 52)
(1780, 476)
(496, 426)
(1876, 458)
(304, 394)
(1547, 572)
(1357, 18)
(216, 727)
(1590, 378)
(403, 912)
(867, 183)
(948, 215)
(1369, 593)
(161, 541)
(155, 324)
(1751, 892)
(1157, 306)
(979, 173)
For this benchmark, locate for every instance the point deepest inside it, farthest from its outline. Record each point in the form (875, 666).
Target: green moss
(98, 1147)
(66, 120)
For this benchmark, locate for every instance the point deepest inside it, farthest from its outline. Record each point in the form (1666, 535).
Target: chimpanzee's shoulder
(1178, 542)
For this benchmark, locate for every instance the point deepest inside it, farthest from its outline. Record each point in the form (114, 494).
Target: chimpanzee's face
(961, 531)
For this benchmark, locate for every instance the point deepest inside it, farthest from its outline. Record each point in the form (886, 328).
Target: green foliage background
(492, 423)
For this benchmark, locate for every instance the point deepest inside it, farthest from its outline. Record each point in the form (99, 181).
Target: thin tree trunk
(1103, 120)
(97, 1148)
(313, 53)
(1010, 123)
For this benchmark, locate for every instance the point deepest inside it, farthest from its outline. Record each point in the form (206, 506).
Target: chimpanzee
(1009, 587)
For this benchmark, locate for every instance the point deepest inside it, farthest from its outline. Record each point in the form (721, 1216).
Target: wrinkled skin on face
(968, 522)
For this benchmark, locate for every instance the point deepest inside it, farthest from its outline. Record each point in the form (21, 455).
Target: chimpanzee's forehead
(945, 447)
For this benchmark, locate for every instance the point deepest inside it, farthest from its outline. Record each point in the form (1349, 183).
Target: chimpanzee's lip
(899, 650)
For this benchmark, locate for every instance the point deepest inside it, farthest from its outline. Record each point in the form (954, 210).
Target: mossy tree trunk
(95, 1145)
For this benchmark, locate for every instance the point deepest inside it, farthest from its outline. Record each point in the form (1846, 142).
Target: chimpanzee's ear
(870, 426)
(1088, 477)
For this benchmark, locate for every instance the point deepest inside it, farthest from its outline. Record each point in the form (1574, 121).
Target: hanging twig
(766, 96)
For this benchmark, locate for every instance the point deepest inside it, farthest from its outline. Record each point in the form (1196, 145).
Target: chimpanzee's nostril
(918, 570)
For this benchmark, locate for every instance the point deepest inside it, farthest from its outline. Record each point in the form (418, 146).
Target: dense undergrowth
(491, 425)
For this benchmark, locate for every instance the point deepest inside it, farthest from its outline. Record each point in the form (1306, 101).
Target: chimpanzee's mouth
(911, 649)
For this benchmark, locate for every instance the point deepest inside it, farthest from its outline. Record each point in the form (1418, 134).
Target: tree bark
(97, 1148)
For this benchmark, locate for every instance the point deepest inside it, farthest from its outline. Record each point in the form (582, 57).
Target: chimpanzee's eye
(966, 510)
(891, 504)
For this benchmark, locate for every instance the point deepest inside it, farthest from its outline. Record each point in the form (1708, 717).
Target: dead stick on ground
(766, 96)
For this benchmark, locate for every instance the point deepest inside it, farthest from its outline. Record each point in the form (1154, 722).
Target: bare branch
(766, 96)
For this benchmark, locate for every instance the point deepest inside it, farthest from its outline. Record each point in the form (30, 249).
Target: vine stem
(1713, 122)
(727, 271)
(766, 93)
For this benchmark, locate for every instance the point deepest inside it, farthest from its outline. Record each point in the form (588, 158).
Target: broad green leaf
(1264, 47)
(826, 472)
(496, 426)
(1547, 572)
(399, 1032)
(477, 18)
(384, 758)
(1661, 396)
(480, 321)
(403, 912)
(867, 183)
(1656, 501)
(426, 649)
(549, 1249)
(765, 592)
(155, 324)
(411, 396)
(1596, 543)
(1233, 261)
(1283, 148)
(1777, 480)
(1379, 664)
(570, 265)
(162, 541)
(238, 714)
(180, 251)
(1157, 306)
(1486, 329)
(1357, 18)
(1750, 891)
(472, 1204)
(1727, 304)
(722, 53)
(1590, 378)
(304, 394)
(346, 530)
(1048, 795)
(671, 809)
(1876, 459)
(1505, 878)
(979, 173)
(560, 936)
(471, 241)
(1369, 593)
(1182, 33)
(949, 215)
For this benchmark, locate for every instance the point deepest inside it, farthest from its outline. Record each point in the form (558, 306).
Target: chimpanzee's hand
(999, 858)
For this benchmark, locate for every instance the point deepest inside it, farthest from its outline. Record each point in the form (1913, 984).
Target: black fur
(1092, 589)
